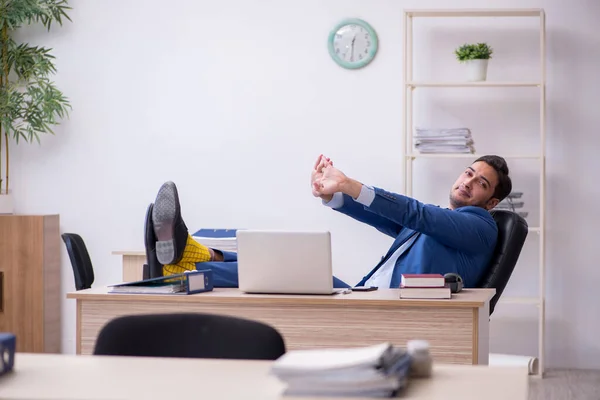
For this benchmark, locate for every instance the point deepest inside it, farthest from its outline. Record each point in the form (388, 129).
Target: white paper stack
(373, 371)
(225, 244)
(452, 140)
(220, 239)
(513, 202)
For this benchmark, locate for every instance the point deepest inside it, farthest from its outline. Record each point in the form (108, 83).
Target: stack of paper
(220, 239)
(452, 140)
(513, 202)
(373, 371)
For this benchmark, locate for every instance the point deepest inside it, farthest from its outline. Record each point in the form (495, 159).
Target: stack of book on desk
(373, 371)
(424, 286)
(220, 239)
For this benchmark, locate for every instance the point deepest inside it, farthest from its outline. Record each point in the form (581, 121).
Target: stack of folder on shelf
(220, 239)
(373, 371)
(424, 286)
(513, 202)
(451, 140)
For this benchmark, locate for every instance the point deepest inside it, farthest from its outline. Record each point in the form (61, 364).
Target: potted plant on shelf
(30, 104)
(476, 57)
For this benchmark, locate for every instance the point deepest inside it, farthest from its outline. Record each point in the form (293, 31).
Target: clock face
(353, 44)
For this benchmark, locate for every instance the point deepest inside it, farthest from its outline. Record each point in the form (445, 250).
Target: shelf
(536, 84)
(469, 155)
(474, 12)
(473, 84)
(519, 300)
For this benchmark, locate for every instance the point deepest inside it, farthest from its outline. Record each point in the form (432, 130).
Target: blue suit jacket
(460, 240)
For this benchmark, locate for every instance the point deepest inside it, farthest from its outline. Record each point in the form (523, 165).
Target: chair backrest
(512, 232)
(153, 268)
(83, 270)
(189, 335)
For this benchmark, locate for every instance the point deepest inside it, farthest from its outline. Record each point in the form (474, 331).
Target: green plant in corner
(478, 51)
(30, 103)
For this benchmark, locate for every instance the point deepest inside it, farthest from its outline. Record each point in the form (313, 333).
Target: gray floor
(566, 385)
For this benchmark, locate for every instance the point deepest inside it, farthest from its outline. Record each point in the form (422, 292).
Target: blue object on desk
(189, 282)
(8, 344)
(216, 233)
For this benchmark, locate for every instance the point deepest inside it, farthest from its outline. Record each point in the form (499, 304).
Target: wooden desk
(132, 264)
(457, 329)
(41, 376)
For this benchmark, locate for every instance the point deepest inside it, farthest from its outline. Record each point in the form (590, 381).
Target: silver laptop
(284, 262)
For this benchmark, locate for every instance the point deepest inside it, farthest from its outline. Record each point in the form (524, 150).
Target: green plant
(479, 51)
(29, 102)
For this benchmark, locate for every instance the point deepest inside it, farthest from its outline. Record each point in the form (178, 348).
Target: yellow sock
(193, 253)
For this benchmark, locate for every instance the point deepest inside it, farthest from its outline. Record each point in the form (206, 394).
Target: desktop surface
(466, 298)
(60, 376)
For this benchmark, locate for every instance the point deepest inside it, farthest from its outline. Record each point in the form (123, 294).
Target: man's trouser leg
(225, 273)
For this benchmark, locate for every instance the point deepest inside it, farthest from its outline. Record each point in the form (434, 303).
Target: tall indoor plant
(30, 103)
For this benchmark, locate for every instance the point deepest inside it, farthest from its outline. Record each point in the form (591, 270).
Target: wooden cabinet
(30, 288)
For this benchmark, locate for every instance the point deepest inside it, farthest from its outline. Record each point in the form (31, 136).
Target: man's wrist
(336, 201)
(351, 187)
(326, 197)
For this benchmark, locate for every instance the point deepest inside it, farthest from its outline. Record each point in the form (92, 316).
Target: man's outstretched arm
(355, 209)
(466, 229)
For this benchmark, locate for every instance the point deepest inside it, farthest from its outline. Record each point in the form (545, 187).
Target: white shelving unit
(407, 132)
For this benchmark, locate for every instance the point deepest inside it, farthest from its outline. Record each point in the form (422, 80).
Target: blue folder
(8, 345)
(189, 282)
(216, 233)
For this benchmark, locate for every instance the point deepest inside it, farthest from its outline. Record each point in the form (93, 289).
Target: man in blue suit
(428, 239)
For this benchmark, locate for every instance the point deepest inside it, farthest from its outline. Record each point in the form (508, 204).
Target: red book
(422, 280)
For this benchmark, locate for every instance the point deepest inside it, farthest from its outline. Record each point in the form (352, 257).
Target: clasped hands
(326, 180)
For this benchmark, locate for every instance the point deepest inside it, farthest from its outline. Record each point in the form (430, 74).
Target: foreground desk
(457, 329)
(68, 377)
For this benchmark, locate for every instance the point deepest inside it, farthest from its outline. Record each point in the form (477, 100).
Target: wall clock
(352, 43)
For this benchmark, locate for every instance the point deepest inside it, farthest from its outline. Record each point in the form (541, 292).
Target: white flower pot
(6, 203)
(477, 70)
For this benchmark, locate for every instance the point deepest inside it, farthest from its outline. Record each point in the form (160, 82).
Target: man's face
(475, 187)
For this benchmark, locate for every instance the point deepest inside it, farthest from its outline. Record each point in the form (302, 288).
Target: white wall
(233, 100)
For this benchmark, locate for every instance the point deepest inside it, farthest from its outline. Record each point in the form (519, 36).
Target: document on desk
(189, 282)
(378, 370)
(220, 239)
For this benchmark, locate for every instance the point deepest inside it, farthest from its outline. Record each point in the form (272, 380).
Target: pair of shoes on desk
(165, 233)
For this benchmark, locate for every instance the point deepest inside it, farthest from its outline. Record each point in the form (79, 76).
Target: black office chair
(153, 268)
(83, 270)
(189, 335)
(512, 232)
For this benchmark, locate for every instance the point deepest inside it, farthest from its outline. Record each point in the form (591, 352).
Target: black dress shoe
(155, 268)
(169, 228)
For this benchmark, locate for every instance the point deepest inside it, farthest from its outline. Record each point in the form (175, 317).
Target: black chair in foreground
(83, 270)
(512, 232)
(189, 335)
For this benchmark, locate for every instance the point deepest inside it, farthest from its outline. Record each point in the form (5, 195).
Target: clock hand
(352, 55)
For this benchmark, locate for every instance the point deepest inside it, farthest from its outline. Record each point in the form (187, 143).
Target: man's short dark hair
(504, 186)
